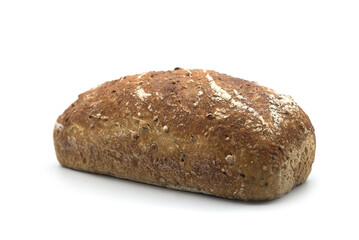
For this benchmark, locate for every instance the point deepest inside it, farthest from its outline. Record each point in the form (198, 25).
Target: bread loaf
(192, 130)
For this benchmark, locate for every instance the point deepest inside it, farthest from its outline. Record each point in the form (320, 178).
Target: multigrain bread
(192, 130)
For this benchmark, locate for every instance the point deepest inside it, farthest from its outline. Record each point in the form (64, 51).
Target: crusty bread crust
(193, 130)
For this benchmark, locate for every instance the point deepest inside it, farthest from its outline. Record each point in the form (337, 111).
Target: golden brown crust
(193, 130)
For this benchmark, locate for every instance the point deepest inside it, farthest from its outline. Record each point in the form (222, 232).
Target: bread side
(193, 130)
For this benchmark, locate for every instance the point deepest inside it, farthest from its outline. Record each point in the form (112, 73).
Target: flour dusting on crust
(141, 75)
(219, 93)
(221, 113)
(240, 97)
(190, 73)
(222, 95)
(141, 93)
(279, 106)
(199, 94)
(59, 126)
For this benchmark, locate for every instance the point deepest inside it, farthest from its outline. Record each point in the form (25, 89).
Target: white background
(50, 51)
